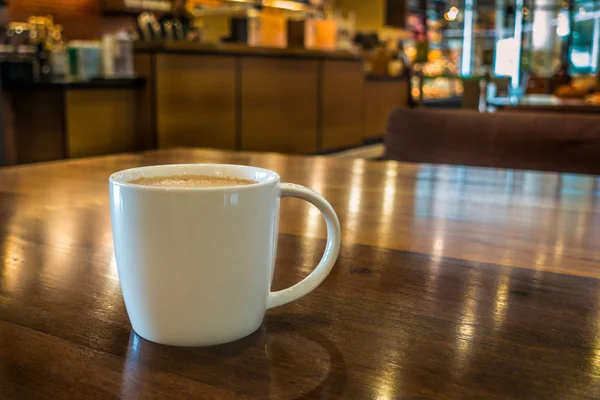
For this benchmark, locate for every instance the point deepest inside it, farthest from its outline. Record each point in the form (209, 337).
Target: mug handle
(332, 249)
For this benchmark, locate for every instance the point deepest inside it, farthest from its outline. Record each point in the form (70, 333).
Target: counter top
(117, 83)
(241, 50)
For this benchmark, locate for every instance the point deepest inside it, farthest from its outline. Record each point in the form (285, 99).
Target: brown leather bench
(524, 140)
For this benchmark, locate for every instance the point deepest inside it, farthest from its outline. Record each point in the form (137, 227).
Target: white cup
(196, 264)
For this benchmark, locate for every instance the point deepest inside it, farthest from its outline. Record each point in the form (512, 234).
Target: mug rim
(116, 179)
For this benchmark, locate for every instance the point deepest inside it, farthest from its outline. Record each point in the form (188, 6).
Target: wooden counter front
(236, 97)
(196, 101)
(279, 109)
(48, 121)
(382, 96)
(343, 121)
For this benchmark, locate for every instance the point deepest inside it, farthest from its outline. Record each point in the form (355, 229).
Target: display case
(554, 38)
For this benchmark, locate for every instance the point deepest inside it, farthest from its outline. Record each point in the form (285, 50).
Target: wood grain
(400, 316)
(100, 122)
(196, 101)
(381, 98)
(278, 104)
(37, 124)
(145, 65)
(343, 119)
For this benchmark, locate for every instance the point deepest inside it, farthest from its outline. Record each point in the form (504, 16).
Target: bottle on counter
(117, 55)
(58, 54)
(39, 36)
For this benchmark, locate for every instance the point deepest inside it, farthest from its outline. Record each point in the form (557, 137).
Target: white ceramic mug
(196, 264)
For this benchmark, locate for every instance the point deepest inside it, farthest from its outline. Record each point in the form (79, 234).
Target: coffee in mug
(191, 181)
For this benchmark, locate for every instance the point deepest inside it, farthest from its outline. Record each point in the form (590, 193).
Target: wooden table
(452, 282)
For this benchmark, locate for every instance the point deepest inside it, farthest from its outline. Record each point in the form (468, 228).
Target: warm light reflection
(540, 261)
(113, 271)
(354, 201)
(129, 379)
(388, 206)
(468, 320)
(358, 169)
(438, 245)
(559, 248)
(13, 257)
(389, 196)
(581, 226)
(389, 378)
(594, 368)
(314, 218)
(501, 301)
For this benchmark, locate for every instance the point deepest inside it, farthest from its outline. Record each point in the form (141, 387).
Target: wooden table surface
(452, 282)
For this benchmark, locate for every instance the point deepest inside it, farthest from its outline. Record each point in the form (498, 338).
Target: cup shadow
(279, 360)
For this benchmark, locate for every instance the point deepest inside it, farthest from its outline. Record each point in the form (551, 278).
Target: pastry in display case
(578, 88)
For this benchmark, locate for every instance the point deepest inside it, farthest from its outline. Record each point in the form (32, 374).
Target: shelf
(123, 12)
(120, 11)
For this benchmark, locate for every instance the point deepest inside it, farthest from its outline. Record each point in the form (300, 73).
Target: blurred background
(91, 77)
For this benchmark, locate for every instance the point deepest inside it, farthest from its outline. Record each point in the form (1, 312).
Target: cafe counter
(45, 121)
(238, 97)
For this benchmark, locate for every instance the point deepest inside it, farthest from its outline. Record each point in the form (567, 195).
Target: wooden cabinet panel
(100, 122)
(342, 105)
(381, 98)
(279, 104)
(146, 102)
(36, 123)
(196, 101)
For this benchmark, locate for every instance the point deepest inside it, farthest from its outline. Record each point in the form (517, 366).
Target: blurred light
(595, 43)
(114, 271)
(563, 25)
(465, 331)
(438, 247)
(501, 301)
(525, 10)
(581, 10)
(356, 186)
(314, 219)
(515, 80)
(452, 14)
(389, 196)
(542, 30)
(285, 4)
(465, 68)
(14, 257)
(505, 62)
(565, 4)
(595, 350)
(580, 59)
